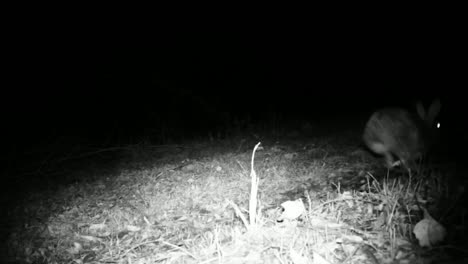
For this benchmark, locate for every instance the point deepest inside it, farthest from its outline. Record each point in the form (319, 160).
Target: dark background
(102, 90)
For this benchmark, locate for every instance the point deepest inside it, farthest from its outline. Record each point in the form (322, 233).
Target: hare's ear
(420, 110)
(433, 111)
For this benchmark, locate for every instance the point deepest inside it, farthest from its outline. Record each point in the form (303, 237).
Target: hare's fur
(395, 132)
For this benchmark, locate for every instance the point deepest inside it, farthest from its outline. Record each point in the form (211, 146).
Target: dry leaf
(319, 259)
(132, 228)
(428, 231)
(77, 247)
(327, 248)
(292, 209)
(90, 238)
(97, 227)
(352, 238)
(346, 195)
(99, 230)
(298, 258)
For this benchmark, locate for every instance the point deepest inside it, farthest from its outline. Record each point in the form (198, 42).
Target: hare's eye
(438, 125)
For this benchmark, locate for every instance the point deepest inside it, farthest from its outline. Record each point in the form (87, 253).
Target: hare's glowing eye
(438, 125)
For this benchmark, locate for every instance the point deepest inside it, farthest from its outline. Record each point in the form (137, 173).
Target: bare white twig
(253, 190)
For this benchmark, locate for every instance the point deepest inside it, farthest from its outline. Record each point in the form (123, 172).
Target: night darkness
(196, 82)
(68, 95)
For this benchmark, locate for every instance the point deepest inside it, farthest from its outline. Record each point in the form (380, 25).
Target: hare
(398, 133)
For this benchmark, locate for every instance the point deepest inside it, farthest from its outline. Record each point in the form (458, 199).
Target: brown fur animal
(396, 132)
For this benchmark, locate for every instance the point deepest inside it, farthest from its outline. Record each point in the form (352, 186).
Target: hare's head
(430, 122)
(429, 116)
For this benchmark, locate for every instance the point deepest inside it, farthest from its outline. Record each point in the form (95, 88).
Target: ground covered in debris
(319, 200)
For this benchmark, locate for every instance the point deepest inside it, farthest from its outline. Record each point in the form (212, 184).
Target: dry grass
(190, 204)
